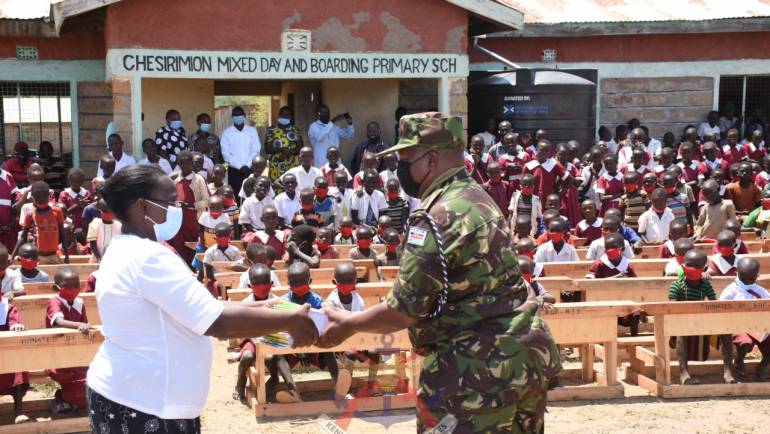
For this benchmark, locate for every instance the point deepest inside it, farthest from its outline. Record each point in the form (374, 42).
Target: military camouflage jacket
(488, 333)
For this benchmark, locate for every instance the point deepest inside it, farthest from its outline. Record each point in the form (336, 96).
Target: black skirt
(109, 417)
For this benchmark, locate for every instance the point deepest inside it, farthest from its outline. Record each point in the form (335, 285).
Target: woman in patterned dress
(171, 139)
(282, 144)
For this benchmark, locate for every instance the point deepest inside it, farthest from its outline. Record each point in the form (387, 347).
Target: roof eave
(493, 11)
(64, 9)
(723, 25)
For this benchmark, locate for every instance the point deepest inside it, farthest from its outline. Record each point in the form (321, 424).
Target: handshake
(323, 328)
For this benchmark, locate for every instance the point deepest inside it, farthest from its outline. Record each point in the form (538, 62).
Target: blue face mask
(175, 125)
(168, 229)
(205, 127)
(284, 121)
(239, 120)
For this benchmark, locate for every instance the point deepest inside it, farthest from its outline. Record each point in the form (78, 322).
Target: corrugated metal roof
(25, 9)
(588, 11)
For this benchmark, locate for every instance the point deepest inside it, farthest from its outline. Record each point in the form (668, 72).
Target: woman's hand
(302, 329)
(338, 329)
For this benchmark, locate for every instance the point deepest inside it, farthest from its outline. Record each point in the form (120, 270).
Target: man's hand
(18, 328)
(302, 329)
(338, 329)
(338, 118)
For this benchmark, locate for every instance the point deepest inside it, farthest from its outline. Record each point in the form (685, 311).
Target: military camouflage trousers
(516, 410)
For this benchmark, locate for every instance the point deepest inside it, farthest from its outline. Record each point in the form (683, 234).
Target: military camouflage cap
(432, 130)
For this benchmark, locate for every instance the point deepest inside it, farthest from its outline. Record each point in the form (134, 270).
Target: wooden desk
(32, 309)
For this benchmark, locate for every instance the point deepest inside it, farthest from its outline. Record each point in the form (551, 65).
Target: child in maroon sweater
(590, 227)
(498, 188)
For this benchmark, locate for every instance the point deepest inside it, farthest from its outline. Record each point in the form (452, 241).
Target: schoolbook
(283, 339)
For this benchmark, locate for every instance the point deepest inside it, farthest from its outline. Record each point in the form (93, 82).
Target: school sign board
(281, 65)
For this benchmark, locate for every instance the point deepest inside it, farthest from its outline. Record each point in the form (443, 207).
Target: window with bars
(36, 112)
(749, 96)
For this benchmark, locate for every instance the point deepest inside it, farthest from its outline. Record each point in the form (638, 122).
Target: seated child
(324, 244)
(735, 226)
(300, 293)
(678, 229)
(609, 187)
(398, 208)
(713, 213)
(590, 227)
(75, 197)
(307, 214)
(259, 280)
(676, 201)
(207, 222)
(656, 221)
(10, 280)
(523, 229)
(345, 297)
(674, 265)
(634, 202)
(649, 183)
(272, 236)
(610, 224)
(759, 218)
(13, 384)
(745, 287)
(346, 232)
(229, 203)
(250, 217)
(222, 251)
(691, 287)
(363, 250)
(383, 224)
(527, 269)
(324, 205)
(217, 178)
(724, 262)
(390, 257)
(612, 263)
(524, 202)
(548, 216)
(101, 230)
(301, 247)
(633, 238)
(28, 260)
(556, 250)
(67, 310)
(255, 254)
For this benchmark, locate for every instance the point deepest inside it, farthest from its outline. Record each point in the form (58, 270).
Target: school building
(70, 67)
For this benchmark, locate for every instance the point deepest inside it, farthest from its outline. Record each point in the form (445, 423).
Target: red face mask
(556, 237)
(106, 216)
(392, 195)
(215, 214)
(649, 188)
(527, 190)
(766, 203)
(364, 244)
(693, 273)
(659, 210)
(321, 193)
(346, 288)
(322, 245)
(346, 232)
(228, 201)
(69, 294)
(307, 207)
(28, 263)
(261, 291)
(670, 190)
(301, 290)
(530, 254)
(391, 248)
(613, 253)
(632, 187)
(528, 277)
(223, 241)
(680, 259)
(726, 250)
(605, 233)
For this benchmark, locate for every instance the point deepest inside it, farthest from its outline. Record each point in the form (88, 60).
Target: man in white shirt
(305, 172)
(489, 135)
(239, 144)
(368, 203)
(122, 160)
(287, 203)
(324, 133)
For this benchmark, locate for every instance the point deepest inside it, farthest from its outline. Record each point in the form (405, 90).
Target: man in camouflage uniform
(488, 357)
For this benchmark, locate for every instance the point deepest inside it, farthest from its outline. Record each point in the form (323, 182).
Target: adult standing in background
(324, 133)
(122, 160)
(489, 136)
(240, 143)
(204, 130)
(282, 144)
(171, 138)
(373, 144)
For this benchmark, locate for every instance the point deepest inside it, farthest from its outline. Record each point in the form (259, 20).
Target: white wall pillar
(74, 124)
(136, 116)
(443, 95)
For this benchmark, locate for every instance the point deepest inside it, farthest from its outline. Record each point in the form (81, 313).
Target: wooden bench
(592, 327)
(35, 350)
(652, 370)
(83, 269)
(257, 393)
(74, 259)
(38, 288)
(372, 293)
(32, 309)
(230, 280)
(652, 252)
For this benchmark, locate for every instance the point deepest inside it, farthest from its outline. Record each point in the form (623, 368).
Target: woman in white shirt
(152, 372)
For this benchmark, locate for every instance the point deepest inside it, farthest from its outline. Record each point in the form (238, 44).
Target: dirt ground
(639, 413)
